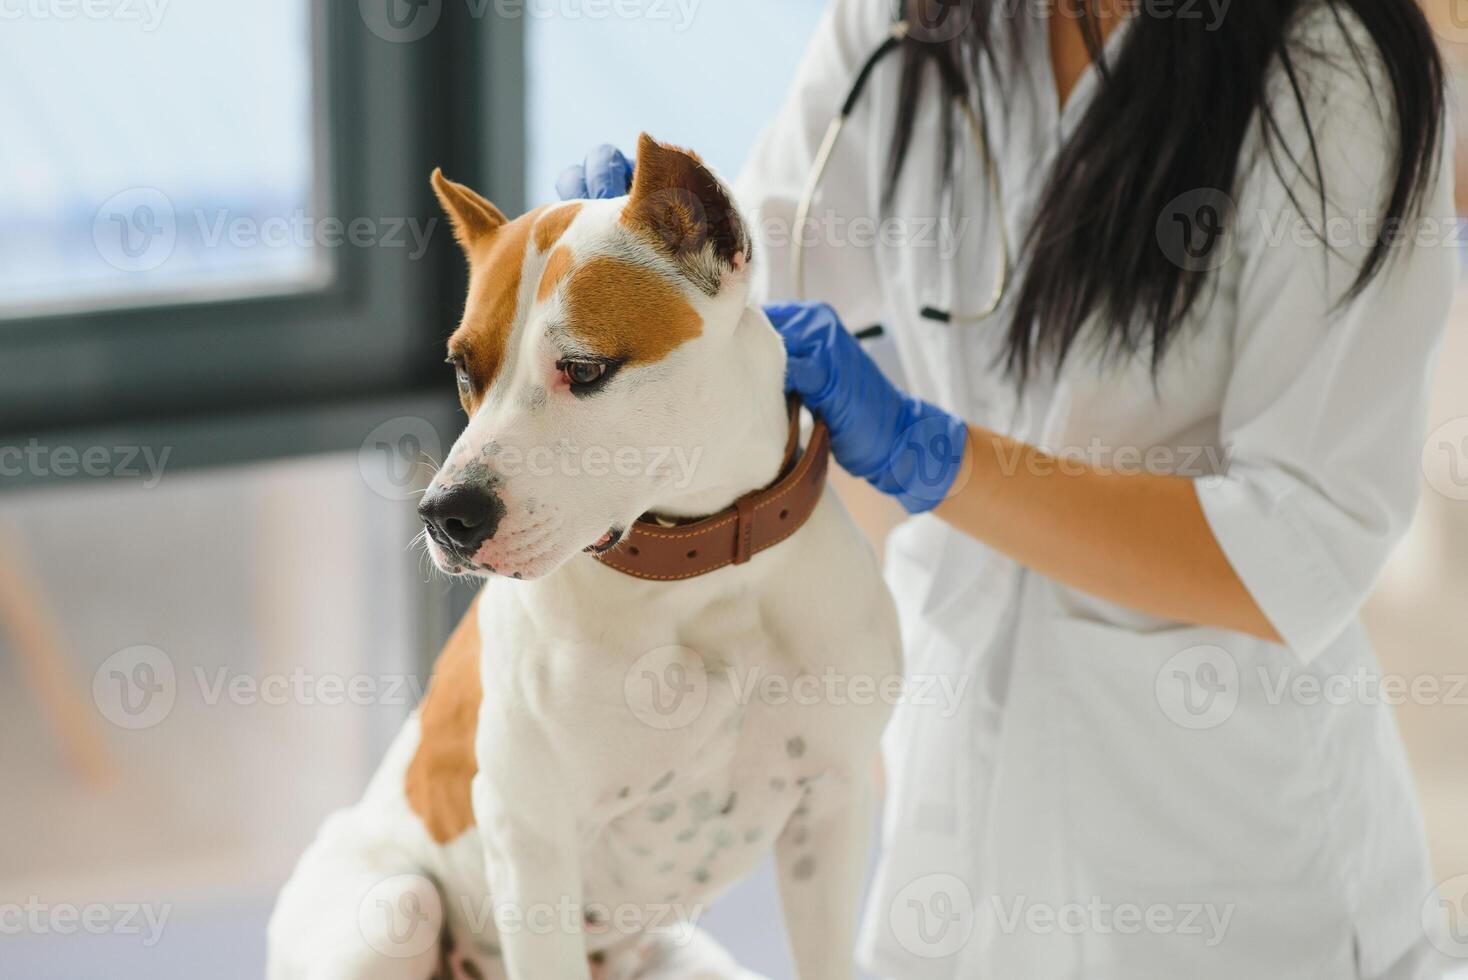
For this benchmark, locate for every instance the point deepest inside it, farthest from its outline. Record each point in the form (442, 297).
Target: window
(223, 209)
(126, 186)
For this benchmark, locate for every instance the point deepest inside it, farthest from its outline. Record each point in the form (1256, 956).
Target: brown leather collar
(754, 522)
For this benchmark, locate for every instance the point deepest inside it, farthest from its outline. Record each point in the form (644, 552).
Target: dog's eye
(584, 372)
(461, 374)
(586, 375)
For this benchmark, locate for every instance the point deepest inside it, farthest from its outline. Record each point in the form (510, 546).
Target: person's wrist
(926, 457)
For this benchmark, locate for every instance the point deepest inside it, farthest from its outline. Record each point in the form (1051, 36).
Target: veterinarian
(1165, 285)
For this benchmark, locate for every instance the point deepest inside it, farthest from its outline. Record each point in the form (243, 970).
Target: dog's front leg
(821, 856)
(535, 883)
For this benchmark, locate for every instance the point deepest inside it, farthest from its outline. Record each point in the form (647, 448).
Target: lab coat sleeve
(1324, 413)
(840, 268)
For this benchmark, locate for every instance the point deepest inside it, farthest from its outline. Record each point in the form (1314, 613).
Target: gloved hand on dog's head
(606, 173)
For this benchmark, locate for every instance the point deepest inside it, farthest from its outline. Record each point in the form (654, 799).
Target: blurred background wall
(222, 299)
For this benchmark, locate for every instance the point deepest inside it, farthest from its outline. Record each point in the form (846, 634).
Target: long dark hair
(1142, 143)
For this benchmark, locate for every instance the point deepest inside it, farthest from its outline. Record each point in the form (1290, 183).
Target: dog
(662, 677)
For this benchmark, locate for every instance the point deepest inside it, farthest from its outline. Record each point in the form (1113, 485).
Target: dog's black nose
(463, 515)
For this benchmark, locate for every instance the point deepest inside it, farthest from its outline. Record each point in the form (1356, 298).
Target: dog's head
(595, 362)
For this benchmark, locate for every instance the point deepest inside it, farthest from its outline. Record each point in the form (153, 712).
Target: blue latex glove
(606, 173)
(902, 445)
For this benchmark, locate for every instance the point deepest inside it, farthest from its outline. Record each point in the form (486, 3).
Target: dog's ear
(473, 218)
(679, 205)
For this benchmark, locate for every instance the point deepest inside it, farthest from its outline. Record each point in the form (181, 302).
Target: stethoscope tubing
(899, 32)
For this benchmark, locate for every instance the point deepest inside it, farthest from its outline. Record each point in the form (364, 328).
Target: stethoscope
(978, 128)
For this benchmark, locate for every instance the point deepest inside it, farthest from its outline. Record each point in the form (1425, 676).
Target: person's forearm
(1136, 539)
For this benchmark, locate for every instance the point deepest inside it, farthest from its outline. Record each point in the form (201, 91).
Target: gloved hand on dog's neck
(903, 446)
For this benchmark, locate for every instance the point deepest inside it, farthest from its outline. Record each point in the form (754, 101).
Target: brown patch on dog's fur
(557, 267)
(620, 309)
(496, 267)
(438, 778)
(681, 208)
(553, 225)
(627, 311)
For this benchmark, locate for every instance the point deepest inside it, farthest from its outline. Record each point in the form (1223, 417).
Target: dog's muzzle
(461, 517)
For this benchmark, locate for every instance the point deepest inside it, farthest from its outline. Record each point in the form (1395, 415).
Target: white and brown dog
(616, 732)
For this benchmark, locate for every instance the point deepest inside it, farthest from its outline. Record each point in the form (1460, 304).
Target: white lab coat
(1115, 795)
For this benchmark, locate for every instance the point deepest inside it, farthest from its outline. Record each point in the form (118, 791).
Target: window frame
(282, 373)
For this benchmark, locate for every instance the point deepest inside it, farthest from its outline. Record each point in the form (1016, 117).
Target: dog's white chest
(679, 837)
(680, 765)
